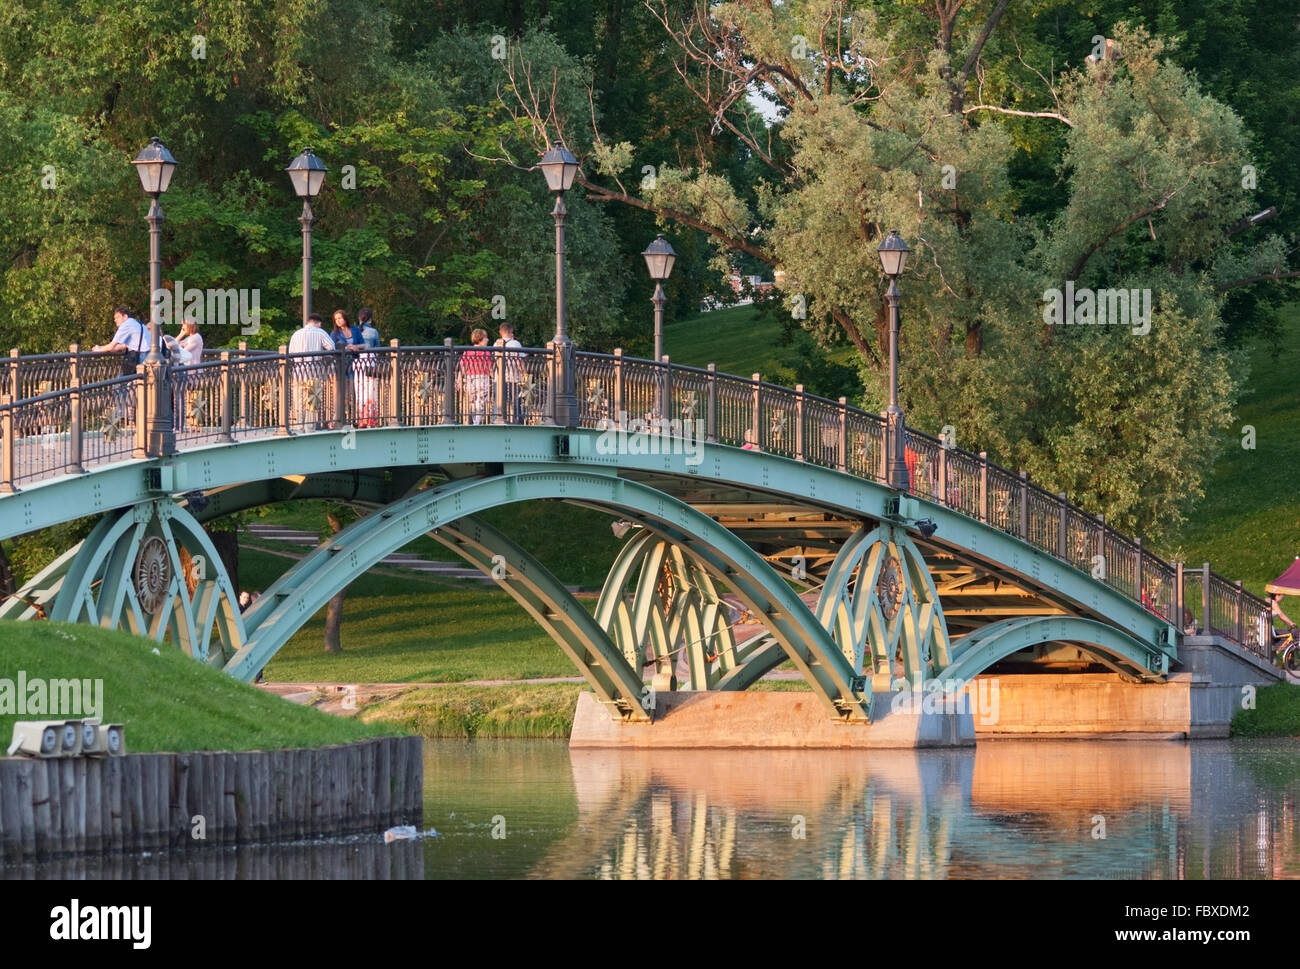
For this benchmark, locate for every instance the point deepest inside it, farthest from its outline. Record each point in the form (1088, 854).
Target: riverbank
(166, 700)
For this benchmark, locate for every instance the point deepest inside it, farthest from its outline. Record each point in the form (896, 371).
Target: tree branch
(1022, 114)
(1274, 276)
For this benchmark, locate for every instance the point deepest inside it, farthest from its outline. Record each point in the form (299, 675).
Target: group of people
(360, 340)
(131, 339)
(475, 371)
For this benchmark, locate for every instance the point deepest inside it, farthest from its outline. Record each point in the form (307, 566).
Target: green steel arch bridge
(760, 525)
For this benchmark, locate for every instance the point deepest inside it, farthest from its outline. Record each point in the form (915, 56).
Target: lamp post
(155, 166)
(659, 259)
(307, 172)
(893, 259)
(559, 166)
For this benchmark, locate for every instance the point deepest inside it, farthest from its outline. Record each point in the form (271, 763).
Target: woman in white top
(192, 344)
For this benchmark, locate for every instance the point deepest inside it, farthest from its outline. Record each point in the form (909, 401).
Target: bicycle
(1288, 651)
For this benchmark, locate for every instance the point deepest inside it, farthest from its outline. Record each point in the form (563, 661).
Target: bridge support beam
(675, 607)
(1112, 647)
(309, 584)
(150, 569)
(617, 684)
(881, 605)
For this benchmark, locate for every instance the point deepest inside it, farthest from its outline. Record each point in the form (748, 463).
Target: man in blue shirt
(131, 337)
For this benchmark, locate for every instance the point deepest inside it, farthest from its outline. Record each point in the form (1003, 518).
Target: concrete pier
(684, 719)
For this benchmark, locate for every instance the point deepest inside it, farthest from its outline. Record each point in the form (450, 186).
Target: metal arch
(878, 600)
(554, 608)
(534, 448)
(1118, 650)
(92, 583)
(309, 584)
(675, 607)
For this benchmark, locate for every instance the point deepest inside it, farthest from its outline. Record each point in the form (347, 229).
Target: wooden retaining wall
(144, 802)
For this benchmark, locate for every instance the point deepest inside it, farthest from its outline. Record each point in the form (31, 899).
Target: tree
(864, 132)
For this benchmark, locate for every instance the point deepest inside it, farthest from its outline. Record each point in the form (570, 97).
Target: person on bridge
(367, 371)
(310, 338)
(131, 338)
(474, 375)
(1276, 613)
(191, 347)
(514, 374)
(1286, 584)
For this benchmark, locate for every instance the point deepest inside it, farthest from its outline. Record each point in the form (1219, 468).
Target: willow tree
(866, 129)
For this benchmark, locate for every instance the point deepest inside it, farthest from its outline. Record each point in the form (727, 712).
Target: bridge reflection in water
(1006, 809)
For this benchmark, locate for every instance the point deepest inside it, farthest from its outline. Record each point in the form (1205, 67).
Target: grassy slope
(740, 342)
(167, 701)
(1248, 525)
(411, 629)
(1276, 713)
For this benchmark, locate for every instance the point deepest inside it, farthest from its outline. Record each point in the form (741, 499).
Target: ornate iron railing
(67, 413)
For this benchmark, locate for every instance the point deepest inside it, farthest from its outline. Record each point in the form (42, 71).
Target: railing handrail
(229, 360)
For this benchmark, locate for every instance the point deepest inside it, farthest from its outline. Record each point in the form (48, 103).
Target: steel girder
(722, 470)
(1110, 646)
(880, 602)
(675, 608)
(308, 585)
(545, 598)
(187, 595)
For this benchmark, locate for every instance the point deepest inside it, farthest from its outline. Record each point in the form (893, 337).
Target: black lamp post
(893, 258)
(155, 166)
(659, 259)
(559, 166)
(307, 172)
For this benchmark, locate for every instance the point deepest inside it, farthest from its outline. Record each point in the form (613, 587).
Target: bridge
(747, 506)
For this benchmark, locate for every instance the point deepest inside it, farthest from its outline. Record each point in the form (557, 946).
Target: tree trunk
(334, 611)
(227, 546)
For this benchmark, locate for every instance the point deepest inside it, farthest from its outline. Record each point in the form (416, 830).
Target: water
(1007, 809)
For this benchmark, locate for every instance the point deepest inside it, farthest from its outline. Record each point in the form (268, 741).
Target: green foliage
(543, 711)
(1136, 184)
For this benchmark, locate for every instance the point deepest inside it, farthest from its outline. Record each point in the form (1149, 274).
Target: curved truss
(1109, 646)
(543, 597)
(880, 603)
(314, 579)
(675, 607)
(149, 569)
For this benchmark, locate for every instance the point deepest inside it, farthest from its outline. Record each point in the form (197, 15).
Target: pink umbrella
(1288, 583)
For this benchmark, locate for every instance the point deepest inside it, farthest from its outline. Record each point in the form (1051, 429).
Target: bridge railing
(68, 412)
(30, 376)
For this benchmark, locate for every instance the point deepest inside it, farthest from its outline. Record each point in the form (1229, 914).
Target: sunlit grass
(166, 700)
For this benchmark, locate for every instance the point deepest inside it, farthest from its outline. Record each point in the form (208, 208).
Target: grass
(1248, 525)
(166, 701)
(543, 711)
(412, 629)
(1276, 713)
(744, 341)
